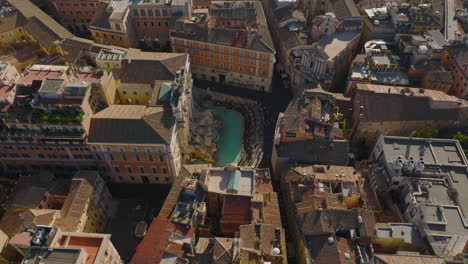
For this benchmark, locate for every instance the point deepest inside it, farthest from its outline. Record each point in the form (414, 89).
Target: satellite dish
(275, 251)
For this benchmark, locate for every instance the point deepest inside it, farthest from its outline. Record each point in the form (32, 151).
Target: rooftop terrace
(239, 181)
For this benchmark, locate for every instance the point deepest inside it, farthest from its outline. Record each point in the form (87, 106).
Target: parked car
(140, 229)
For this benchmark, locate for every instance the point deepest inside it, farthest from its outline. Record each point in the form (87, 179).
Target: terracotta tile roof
(271, 211)
(404, 259)
(223, 250)
(259, 240)
(312, 187)
(156, 242)
(340, 251)
(328, 220)
(171, 199)
(344, 8)
(75, 206)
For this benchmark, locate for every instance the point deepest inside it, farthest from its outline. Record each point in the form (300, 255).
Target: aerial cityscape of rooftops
(233, 131)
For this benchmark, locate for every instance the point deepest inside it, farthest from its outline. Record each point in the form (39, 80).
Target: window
(241, 68)
(116, 169)
(167, 179)
(161, 158)
(135, 12)
(164, 170)
(41, 156)
(263, 72)
(164, 13)
(117, 26)
(111, 156)
(132, 178)
(154, 170)
(142, 12)
(251, 70)
(150, 157)
(129, 169)
(150, 13)
(137, 157)
(142, 170)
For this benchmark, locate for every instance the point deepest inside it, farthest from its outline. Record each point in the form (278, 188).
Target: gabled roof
(133, 124)
(147, 67)
(324, 252)
(223, 250)
(344, 8)
(414, 259)
(157, 242)
(329, 220)
(41, 32)
(29, 10)
(11, 22)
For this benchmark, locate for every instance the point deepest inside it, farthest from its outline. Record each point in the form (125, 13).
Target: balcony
(57, 116)
(44, 133)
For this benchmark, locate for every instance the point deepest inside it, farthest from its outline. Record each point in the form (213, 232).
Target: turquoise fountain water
(230, 137)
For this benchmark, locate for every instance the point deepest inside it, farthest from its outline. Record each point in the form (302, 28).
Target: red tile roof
(156, 242)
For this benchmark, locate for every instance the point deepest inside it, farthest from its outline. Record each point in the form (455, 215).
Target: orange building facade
(76, 15)
(227, 64)
(455, 59)
(136, 163)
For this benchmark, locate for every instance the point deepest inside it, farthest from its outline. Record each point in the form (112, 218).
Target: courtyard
(131, 204)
